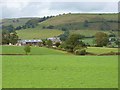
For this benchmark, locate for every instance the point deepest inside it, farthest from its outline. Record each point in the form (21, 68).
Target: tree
(5, 37)
(13, 38)
(101, 39)
(18, 28)
(64, 36)
(9, 28)
(57, 44)
(27, 49)
(79, 50)
(86, 23)
(49, 43)
(105, 26)
(117, 42)
(8, 37)
(50, 27)
(44, 41)
(32, 23)
(72, 41)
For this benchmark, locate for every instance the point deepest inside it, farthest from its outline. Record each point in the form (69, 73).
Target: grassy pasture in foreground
(56, 69)
(60, 71)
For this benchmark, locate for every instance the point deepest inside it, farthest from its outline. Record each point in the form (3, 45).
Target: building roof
(30, 41)
(54, 39)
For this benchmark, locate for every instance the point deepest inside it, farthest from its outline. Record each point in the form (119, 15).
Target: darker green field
(34, 50)
(48, 51)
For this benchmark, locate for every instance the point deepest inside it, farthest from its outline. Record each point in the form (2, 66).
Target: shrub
(80, 52)
(49, 43)
(57, 44)
(27, 49)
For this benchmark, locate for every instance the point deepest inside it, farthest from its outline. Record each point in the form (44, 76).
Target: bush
(49, 43)
(57, 44)
(80, 52)
(27, 49)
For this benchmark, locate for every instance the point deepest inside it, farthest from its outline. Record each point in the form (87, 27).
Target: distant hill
(72, 18)
(56, 25)
(14, 21)
(83, 21)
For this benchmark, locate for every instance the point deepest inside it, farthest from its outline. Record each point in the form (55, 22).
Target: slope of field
(37, 33)
(60, 71)
(34, 50)
(70, 18)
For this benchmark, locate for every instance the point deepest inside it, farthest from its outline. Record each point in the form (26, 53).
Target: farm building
(37, 42)
(31, 42)
(54, 39)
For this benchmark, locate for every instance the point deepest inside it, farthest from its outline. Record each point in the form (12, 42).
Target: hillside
(72, 18)
(83, 21)
(85, 24)
(14, 21)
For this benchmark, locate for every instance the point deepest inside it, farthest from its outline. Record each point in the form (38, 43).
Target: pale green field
(38, 33)
(101, 50)
(87, 32)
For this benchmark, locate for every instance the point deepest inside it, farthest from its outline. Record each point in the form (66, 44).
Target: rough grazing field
(38, 33)
(62, 19)
(21, 21)
(64, 71)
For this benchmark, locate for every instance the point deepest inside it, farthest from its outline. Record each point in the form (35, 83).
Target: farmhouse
(54, 39)
(30, 42)
(37, 42)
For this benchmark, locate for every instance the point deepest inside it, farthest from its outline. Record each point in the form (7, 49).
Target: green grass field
(88, 41)
(87, 32)
(34, 50)
(57, 69)
(101, 50)
(60, 71)
(38, 33)
(45, 51)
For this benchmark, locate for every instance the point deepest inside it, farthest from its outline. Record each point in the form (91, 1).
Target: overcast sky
(37, 8)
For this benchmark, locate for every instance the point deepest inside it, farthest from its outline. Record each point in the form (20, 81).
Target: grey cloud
(78, 6)
(48, 8)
